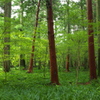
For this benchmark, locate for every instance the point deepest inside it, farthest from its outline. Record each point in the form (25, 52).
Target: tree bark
(98, 30)
(30, 69)
(53, 62)
(7, 29)
(92, 65)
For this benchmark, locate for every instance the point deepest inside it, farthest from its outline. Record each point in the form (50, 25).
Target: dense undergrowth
(19, 85)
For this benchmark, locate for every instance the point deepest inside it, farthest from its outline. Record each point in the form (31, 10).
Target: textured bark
(7, 29)
(30, 69)
(53, 62)
(92, 65)
(98, 30)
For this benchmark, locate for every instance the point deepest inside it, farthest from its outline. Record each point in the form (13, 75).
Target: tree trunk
(92, 65)
(82, 14)
(22, 56)
(22, 61)
(68, 55)
(98, 30)
(30, 69)
(67, 64)
(7, 29)
(53, 62)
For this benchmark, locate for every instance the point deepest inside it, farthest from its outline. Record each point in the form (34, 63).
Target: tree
(68, 55)
(98, 30)
(7, 29)
(53, 62)
(33, 47)
(22, 56)
(91, 41)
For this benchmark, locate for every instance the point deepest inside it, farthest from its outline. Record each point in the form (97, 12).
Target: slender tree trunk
(22, 56)
(78, 62)
(30, 69)
(68, 55)
(53, 62)
(92, 65)
(98, 30)
(82, 14)
(7, 29)
(67, 63)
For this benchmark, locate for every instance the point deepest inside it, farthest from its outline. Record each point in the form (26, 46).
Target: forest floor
(19, 85)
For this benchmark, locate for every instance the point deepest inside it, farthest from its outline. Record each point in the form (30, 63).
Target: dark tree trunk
(30, 69)
(22, 56)
(67, 64)
(22, 61)
(53, 62)
(7, 29)
(92, 65)
(98, 30)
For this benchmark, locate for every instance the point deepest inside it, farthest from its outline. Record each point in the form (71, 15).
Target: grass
(19, 85)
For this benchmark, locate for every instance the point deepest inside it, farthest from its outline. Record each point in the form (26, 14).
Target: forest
(50, 49)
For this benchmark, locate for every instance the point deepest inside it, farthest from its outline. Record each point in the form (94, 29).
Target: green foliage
(23, 86)
(21, 35)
